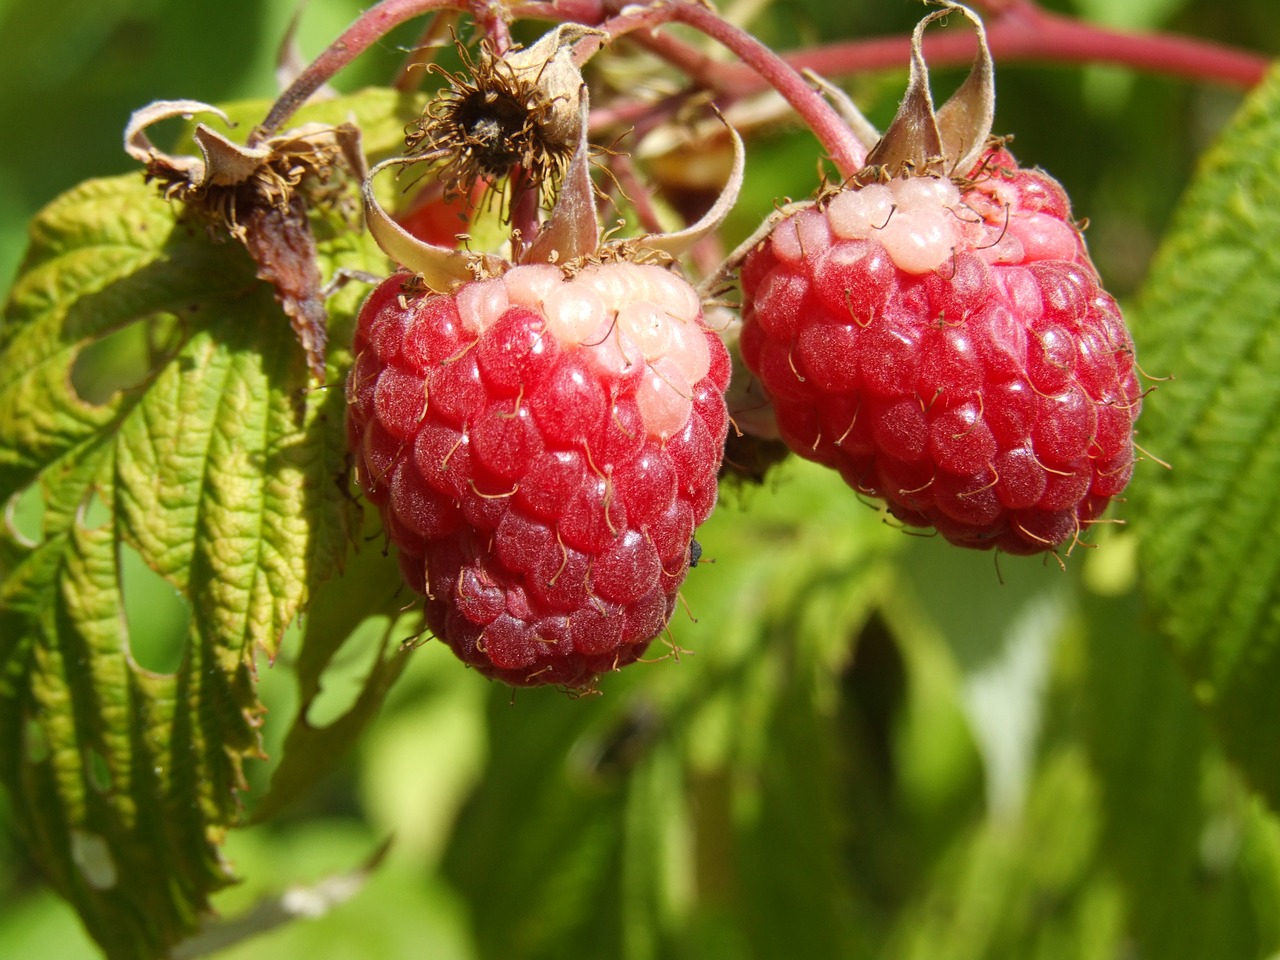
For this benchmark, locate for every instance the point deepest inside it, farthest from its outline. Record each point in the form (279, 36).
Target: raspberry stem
(370, 27)
(1022, 32)
(1018, 29)
(524, 209)
(835, 136)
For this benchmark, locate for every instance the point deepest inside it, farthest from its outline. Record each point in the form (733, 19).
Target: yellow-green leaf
(155, 399)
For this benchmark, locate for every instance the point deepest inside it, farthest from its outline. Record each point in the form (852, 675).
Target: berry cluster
(949, 349)
(542, 429)
(542, 447)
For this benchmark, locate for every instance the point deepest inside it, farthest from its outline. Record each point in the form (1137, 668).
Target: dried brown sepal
(923, 142)
(256, 194)
(964, 121)
(499, 113)
(280, 242)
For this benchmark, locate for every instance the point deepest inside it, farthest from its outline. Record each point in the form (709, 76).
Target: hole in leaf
(35, 744)
(24, 513)
(92, 855)
(122, 359)
(98, 771)
(93, 513)
(156, 615)
(344, 678)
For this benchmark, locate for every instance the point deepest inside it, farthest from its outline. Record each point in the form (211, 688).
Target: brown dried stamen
(503, 114)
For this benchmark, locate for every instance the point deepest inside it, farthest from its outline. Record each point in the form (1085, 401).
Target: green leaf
(1001, 624)
(1021, 888)
(1132, 14)
(1147, 743)
(313, 750)
(312, 902)
(1210, 527)
(205, 451)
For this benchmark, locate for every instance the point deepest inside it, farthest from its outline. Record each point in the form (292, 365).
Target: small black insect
(695, 553)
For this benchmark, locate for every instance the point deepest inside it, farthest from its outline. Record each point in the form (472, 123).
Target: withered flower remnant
(499, 114)
(255, 193)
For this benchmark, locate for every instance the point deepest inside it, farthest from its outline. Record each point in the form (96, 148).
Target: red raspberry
(541, 448)
(946, 346)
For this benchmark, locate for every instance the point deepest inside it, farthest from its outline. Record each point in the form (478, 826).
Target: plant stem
(1025, 32)
(492, 22)
(523, 211)
(846, 152)
(370, 27)
(700, 68)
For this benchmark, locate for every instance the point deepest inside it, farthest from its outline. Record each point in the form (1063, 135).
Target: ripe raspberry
(541, 448)
(947, 346)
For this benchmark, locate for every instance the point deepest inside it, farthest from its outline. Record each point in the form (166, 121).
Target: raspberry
(541, 447)
(946, 346)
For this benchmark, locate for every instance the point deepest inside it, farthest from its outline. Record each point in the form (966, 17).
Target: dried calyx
(569, 235)
(519, 110)
(228, 178)
(921, 141)
(256, 193)
(947, 142)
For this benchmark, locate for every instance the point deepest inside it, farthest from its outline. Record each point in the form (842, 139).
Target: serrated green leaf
(1210, 527)
(311, 751)
(223, 470)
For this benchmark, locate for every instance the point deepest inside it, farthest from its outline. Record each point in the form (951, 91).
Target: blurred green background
(879, 747)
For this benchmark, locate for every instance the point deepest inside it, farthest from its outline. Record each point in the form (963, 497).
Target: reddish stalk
(635, 191)
(590, 12)
(640, 116)
(845, 151)
(703, 70)
(523, 212)
(493, 24)
(370, 27)
(1019, 29)
(1024, 32)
